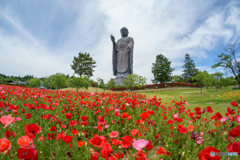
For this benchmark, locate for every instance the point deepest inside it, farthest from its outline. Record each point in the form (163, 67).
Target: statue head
(124, 32)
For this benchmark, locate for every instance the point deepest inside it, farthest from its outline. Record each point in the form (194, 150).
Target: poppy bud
(68, 154)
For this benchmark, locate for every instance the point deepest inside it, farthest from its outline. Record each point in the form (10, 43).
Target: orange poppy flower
(5, 145)
(24, 141)
(80, 143)
(190, 128)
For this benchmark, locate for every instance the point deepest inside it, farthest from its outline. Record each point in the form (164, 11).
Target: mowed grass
(194, 98)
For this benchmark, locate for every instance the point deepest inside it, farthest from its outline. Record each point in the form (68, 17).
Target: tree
(225, 82)
(83, 64)
(200, 78)
(189, 69)
(68, 81)
(111, 83)
(230, 61)
(135, 80)
(48, 82)
(80, 82)
(59, 80)
(216, 77)
(161, 69)
(177, 78)
(36, 82)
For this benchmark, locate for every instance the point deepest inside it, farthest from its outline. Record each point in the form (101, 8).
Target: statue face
(124, 33)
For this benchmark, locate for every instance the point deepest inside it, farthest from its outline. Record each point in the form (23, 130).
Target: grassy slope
(194, 98)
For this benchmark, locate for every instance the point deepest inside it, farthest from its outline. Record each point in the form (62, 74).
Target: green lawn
(194, 98)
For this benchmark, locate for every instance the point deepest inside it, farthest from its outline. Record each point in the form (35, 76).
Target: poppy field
(46, 124)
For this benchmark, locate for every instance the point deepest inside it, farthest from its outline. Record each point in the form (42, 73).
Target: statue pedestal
(119, 80)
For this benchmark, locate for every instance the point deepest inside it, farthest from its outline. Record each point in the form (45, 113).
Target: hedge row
(161, 85)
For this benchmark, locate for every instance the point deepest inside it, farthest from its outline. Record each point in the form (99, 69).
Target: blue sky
(41, 38)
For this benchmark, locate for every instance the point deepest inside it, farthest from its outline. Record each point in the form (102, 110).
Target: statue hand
(112, 38)
(129, 48)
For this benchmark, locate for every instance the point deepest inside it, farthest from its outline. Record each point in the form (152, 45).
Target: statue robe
(122, 56)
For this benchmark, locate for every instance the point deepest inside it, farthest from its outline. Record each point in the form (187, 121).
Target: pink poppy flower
(199, 140)
(223, 119)
(18, 119)
(7, 120)
(238, 118)
(140, 144)
(201, 134)
(113, 134)
(175, 116)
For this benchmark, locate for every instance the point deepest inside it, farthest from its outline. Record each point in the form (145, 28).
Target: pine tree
(83, 64)
(161, 69)
(189, 69)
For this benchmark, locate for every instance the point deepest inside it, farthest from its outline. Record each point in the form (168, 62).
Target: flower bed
(45, 124)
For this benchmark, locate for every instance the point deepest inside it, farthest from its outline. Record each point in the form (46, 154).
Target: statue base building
(119, 80)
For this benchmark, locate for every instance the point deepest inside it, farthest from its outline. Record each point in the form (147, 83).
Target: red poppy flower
(74, 132)
(157, 136)
(85, 123)
(97, 142)
(161, 151)
(149, 145)
(234, 147)
(141, 155)
(205, 153)
(230, 111)
(100, 128)
(125, 115)
(84, 118)
(60, 136)
(106, 150)
(234, 104)
(67, 139)
(28, 115)
(27, 153)
(209, 109)
(53, 128)
(68, 115)
(139, 121)
(9, 134)
(170, 122)
(190, 114)
(134, 132)
(127, 140)
(32, 129)
(144, 115)
(41, 138)
(50, 136)
(151, 112)
(235, 132)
